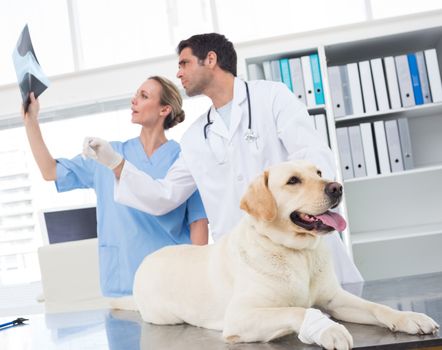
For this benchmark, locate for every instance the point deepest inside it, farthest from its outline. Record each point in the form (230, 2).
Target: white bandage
(314, 324)
(101, 151)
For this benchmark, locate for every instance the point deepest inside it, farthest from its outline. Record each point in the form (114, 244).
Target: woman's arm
(137, 189)
(45, 162)
(199, 232)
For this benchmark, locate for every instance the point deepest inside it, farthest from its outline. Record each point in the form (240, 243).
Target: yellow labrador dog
(260, 281)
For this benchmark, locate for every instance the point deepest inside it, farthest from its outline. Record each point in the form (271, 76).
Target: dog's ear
(258, 201)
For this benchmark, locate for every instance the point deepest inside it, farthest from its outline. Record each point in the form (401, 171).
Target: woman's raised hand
(33, 109)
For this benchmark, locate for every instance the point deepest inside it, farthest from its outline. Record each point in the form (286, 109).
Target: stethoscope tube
(210, 122)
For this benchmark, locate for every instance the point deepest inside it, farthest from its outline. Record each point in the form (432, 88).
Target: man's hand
(101, 151)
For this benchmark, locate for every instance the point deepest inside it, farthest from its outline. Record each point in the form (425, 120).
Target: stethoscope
(249, 135)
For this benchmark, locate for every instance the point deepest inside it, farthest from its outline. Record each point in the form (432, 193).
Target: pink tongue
(333, 219)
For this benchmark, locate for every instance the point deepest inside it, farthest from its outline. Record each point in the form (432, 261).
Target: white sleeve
(298, 136)
(157, 197)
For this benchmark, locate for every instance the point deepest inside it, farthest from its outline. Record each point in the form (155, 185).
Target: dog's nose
(333, 190)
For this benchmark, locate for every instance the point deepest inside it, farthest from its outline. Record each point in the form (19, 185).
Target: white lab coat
(222, 165)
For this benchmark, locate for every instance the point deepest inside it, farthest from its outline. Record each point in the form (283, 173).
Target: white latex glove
(101, 151)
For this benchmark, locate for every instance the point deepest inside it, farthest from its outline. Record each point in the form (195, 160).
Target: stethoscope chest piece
(250, 136)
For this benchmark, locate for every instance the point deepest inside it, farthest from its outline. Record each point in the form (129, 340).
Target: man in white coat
(248, 128)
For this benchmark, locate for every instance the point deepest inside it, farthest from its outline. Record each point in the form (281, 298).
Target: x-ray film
(30, 76)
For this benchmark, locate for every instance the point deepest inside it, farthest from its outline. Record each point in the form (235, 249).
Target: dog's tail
(124, 303)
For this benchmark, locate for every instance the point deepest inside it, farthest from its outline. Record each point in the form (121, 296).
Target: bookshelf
(395, 217)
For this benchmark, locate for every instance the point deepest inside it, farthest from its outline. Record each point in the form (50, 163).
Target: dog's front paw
(414, 323)
(336, 337)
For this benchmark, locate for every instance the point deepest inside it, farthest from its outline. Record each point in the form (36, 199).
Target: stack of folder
(358, 88)
(319, 122)
(369, 149)
(382, 84)
(302, 75)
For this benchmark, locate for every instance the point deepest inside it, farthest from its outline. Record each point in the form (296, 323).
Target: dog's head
(292, 202)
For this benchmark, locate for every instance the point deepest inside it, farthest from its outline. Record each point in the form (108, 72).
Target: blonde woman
(126, 235)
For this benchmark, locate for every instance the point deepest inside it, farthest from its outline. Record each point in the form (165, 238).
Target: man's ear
(258, 201)
(211, 58)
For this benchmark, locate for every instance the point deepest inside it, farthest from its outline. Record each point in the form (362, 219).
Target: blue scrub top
(127, 235)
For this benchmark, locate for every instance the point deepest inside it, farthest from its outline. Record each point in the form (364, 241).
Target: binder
(297, 79)
(317, 79)
(368, 148)
(367, 87)
(423, 77)
(404, 79)
(379, 84)
(311, 120)
(267, 70)
(308, 81)
(345, 153)
(433, 74)
(321, 126)
(285, 72)
(415, 81)
(355, 88)
(337, 93)
(404, 135)
(381, 147)
(392, 83)
(256, 71)
(394, 145)
(357, 152)
(276, 70)
(346, 90)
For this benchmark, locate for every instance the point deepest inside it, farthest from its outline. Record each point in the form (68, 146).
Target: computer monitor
(68, 224)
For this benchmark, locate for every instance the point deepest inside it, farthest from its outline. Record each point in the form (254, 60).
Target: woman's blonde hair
(170, 96)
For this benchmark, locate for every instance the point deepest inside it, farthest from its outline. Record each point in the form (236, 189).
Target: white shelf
(408, 199)
(388, 214)
(398, 233)
(396, 218)
(317, 109)
(428, 109)
(395, 174)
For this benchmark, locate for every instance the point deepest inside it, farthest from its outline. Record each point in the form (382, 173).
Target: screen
(71, 224)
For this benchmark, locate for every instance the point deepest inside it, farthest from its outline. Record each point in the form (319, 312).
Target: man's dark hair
(201, 44)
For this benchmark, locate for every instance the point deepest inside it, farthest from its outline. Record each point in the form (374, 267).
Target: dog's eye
(319, 173)
(293, 180)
